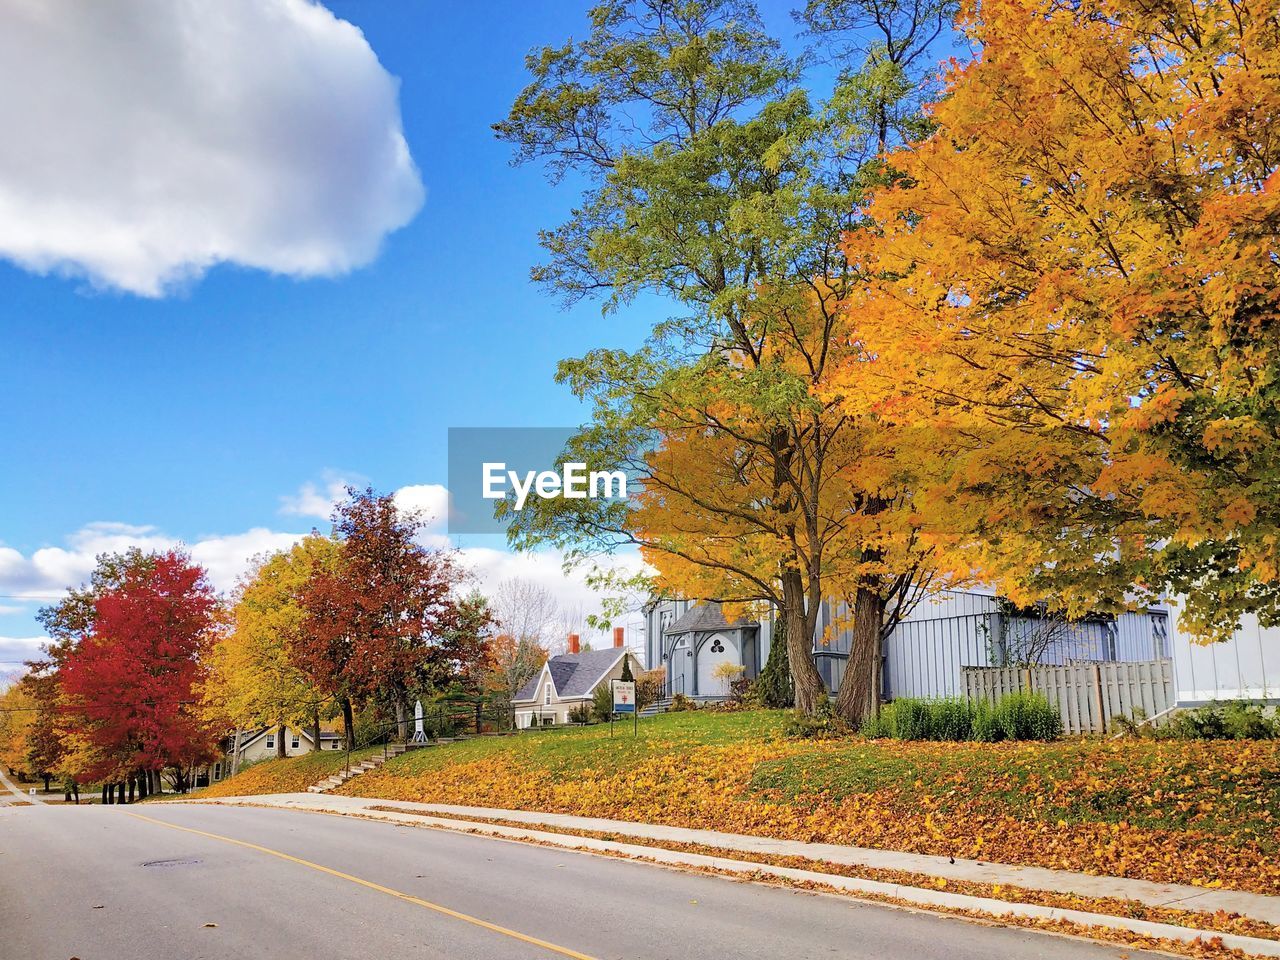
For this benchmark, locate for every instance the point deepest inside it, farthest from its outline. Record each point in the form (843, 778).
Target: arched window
(546, 696)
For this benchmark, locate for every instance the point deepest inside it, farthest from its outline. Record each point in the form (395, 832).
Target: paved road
(98, 882)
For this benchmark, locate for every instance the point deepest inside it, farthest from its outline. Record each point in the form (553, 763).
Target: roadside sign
(624, 696)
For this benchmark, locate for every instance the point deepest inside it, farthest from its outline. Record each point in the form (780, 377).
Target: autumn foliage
(1197, 813)
(1075, 284)
(128, 688)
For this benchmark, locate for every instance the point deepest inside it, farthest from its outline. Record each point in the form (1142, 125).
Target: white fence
(1087, 695)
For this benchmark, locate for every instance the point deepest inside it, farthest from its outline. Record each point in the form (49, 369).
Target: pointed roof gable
(573, 674)
(707, 617)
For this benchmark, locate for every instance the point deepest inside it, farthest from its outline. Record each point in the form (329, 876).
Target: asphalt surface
(95, 882)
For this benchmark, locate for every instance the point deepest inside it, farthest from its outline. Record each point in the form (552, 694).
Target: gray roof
(574, 674)
(707, 617)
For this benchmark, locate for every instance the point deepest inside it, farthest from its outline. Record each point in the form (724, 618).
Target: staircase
(364, 766)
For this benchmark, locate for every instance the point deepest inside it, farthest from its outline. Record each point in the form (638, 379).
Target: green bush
(1015, 716)
(1224, 720)
(580, 714)
(602, 703)
(1026, 716)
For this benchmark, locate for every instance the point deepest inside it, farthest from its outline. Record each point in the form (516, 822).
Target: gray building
(923, 655)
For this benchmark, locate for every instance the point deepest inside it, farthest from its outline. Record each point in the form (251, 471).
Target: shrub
(680, 703)
(580, 714)
(1016, 716)
(1026, 716)
(984, 722)
(649, 687)
(1224, 720)
(602, 703)
(821, 725)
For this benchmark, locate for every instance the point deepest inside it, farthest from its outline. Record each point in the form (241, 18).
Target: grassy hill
(1189, 812)
(290, 775)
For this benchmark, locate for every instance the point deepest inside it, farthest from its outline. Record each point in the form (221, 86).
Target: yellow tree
(761, 491)
(253, 679)
(1078, 289)
(17, 716)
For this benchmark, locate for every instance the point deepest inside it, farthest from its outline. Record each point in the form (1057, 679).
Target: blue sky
(191, 415)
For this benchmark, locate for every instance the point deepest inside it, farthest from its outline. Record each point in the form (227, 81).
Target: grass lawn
(290, 775)
(1186, 812)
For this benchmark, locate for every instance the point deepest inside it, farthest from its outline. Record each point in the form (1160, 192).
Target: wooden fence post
(1097, 693)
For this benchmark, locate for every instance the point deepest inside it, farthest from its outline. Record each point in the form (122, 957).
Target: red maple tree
(384, 623)
(130, 684)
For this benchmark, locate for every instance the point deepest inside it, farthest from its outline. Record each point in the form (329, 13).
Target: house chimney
(619, 636)
(573, 643)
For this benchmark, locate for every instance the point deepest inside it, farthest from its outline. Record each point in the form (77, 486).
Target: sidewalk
(1256, 906)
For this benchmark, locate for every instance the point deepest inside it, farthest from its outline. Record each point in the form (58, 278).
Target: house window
(217, 771)
(1160, 635)
(294, 743)
(271, 741)
(546, 697)
(717, 646)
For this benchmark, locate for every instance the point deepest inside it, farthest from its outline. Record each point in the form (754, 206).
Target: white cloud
(15, 651)
(146, 142)
(317, 499)
(48, 571)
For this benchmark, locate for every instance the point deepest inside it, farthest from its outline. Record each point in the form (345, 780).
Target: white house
(568, 681)
(262, 744)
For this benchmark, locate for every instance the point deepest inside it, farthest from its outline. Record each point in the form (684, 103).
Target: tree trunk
(859, 696)
(120, 792)
(811, 692)
(130, 782)
(142, 785)
(348, 723)
(46, 778)
(281, 753)
(402, 719)
(235, 752)
(315, 728)
(106, 794)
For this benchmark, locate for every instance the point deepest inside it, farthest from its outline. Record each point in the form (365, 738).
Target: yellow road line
(408, 898)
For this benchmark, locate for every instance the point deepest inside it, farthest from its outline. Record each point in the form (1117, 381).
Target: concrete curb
(916, 896)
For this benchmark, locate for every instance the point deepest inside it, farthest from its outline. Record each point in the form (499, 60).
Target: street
(103, 882)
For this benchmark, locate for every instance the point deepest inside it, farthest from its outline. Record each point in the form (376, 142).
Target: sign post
(624, 701)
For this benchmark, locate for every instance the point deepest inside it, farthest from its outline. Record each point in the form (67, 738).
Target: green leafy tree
(714, 181)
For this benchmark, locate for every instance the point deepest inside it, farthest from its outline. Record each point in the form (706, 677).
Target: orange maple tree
(1076, 284)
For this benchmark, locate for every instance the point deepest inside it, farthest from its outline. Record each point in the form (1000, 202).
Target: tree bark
(120, 792)
(235, 752)
(859, 696)
(402, 719)
(315, 728)
(811, 692)
(348, 723)
(281, 753)
(106, 794)
(130, 782)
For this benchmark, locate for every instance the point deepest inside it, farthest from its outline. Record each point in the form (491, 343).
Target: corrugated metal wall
(1245, 667)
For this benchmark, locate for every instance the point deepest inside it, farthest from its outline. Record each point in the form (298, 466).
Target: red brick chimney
(574, 646)
(619, 636)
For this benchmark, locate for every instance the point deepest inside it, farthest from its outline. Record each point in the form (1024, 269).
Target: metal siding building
(1245, 667)
(946, 631)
